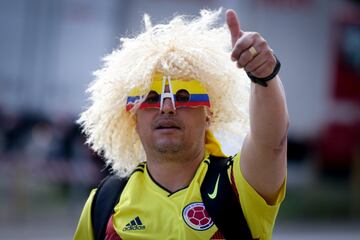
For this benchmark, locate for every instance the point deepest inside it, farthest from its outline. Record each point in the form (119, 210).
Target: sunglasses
(182, 93)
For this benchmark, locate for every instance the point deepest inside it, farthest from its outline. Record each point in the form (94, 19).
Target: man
(158, 100)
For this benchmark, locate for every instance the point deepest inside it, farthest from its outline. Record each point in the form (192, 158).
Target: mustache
(167, 121)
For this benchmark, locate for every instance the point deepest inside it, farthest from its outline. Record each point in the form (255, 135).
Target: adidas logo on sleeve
(134, 224)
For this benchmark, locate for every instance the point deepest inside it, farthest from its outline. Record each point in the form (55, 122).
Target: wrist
(263, 81)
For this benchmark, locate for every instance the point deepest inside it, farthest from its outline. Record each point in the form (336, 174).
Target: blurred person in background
(155, 105)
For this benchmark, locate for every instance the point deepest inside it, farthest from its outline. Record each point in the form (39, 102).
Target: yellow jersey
(146, 210)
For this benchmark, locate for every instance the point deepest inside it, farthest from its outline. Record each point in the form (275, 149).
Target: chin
(169, 146)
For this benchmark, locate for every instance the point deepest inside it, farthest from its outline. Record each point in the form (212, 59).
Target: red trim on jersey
(233, 182)
(111, 234)
(218, 235)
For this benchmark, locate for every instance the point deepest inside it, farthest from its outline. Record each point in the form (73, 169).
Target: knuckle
(263, 44)
(238, 46)
(255, 35)
(269, 55)
(246, 42)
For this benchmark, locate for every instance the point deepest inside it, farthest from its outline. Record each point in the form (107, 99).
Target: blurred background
(49, 49)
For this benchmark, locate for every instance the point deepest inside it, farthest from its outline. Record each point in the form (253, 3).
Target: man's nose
(167, 106)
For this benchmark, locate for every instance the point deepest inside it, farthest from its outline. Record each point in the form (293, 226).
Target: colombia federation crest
(196, 216)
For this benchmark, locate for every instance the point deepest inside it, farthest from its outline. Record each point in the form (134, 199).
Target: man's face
(170, 130)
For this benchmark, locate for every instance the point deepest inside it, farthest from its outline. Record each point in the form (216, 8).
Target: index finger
(234, 25)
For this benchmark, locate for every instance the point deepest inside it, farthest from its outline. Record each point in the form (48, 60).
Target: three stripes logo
(134, 224)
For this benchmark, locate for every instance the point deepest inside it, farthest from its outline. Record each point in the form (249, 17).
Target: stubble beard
(169, 147)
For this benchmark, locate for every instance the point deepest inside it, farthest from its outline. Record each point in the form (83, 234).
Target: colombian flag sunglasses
(182, 93)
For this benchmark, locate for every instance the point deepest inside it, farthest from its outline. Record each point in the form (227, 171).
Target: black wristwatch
(262, 81)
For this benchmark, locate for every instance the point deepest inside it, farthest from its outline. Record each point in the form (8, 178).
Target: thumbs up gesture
(250, 49)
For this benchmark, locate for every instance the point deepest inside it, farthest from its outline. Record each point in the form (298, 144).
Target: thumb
(234, 26)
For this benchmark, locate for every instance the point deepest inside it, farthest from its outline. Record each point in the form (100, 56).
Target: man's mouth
(170, 127)
(167, 124)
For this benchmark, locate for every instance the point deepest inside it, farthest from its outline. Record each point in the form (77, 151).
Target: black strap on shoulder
(106, 197)
(222, 203)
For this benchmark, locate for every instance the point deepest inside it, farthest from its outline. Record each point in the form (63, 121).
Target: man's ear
(208, 116)
(134, 117)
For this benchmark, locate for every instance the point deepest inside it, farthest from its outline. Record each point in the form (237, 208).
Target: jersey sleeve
(84, 228)
(259, 215)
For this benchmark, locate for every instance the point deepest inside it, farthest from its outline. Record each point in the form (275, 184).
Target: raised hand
(250, 49)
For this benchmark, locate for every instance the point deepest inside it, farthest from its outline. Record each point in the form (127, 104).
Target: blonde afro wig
(183, 48)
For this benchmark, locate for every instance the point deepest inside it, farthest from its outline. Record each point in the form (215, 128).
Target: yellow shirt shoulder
(146, 210)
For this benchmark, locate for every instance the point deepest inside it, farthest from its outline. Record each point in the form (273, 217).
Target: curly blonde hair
(185, 48)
